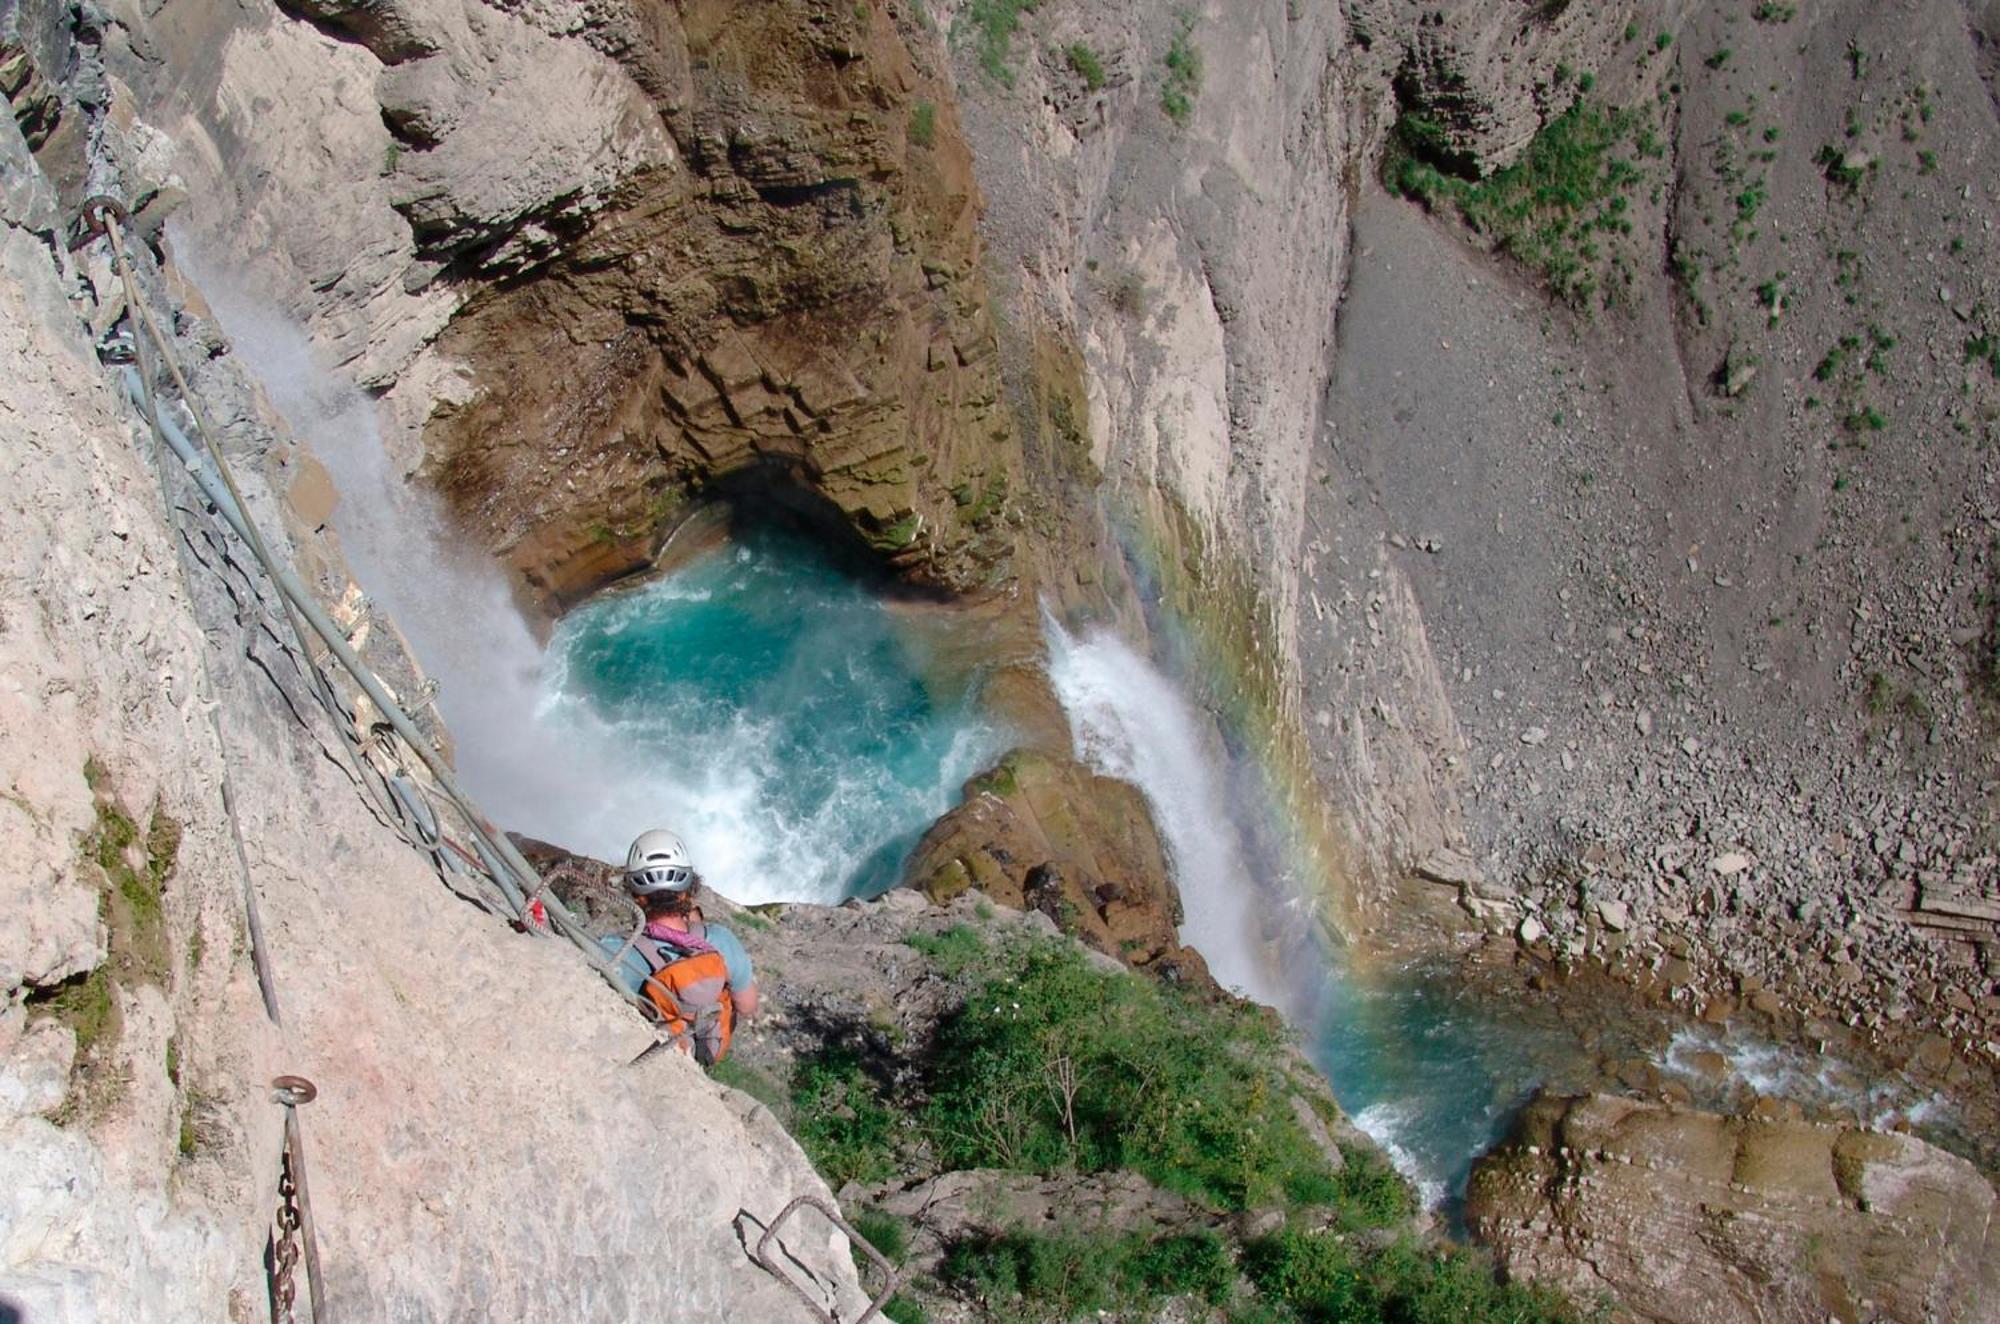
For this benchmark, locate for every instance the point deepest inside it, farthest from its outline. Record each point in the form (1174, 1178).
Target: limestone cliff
(604, 259)
(478, 1148)
(1201, 164)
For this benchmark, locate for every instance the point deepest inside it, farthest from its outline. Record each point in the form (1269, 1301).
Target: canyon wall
(1171, 194)
(478, 1148)
(941, 292)
(598, 259)
(957, 294)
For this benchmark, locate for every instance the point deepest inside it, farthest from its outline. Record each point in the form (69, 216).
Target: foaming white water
(540, 758)
(1782, 1071)
(1386, 1124)
(448, 600)
(1129, 721)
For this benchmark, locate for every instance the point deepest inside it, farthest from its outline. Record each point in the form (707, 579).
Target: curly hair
(658, 904)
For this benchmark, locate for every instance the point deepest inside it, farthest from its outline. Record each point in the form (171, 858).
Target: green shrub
(1985, 348)
(753, 1082)
(1084, 63)
(1183, 83)
(840, 1119)
(1190, 1264)
(886, 1232)
(1369, 1191)
(1551, 209)
(85, 1004)
(1833, 164)
(1055, 1064)
(923, 124)
(994, 23)
(955, 951)
(1069, 1272)
(902, 1310)
(1323, 1276)
(1063, 1274)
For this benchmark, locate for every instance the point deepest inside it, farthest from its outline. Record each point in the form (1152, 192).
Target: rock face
(1044, 833)
(1195, 258)
(793, 311)
(1685, 1216)
(1481, 76)
(478, 1148)
(604, 259)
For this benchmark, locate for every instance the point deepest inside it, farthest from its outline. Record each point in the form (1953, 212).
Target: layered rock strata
(603, 260)
(1682, 1215)
(793, 310)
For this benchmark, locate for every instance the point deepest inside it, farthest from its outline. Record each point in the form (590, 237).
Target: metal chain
(285, 1245)
(501, 862)
(292, 1239)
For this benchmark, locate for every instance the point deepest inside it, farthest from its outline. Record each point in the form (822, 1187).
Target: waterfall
(757, 702)
(1131, 722)
(450, 601)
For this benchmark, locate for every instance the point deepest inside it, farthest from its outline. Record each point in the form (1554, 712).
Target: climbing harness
(769, 1263)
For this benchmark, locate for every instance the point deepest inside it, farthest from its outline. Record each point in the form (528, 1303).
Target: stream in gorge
(802, 733)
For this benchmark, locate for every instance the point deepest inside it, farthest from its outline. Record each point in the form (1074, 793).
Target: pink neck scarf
(679, 939)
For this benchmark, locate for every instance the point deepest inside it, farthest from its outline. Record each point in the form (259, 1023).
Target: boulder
(1681, 1215)
(1043, 832)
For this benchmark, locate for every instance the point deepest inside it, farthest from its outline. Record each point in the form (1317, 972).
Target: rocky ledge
(1685, 1215)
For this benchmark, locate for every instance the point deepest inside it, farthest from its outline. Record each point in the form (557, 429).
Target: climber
(696, 973)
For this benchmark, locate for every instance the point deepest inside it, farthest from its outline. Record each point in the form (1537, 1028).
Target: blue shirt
(632, 970)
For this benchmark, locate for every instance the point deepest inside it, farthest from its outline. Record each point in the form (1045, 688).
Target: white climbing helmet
(657, 862)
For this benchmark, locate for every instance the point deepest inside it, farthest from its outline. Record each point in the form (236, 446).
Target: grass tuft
(994, 24)
(1085, 64)
(955, 951)
(840, 1119)
(1183, 82)
(1553, 209)
(923, 124)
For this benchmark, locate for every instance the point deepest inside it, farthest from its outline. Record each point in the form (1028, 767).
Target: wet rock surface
(1683, 1215)
(1044, 833)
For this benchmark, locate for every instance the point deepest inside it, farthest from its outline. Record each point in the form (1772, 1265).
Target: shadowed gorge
(1335, 660)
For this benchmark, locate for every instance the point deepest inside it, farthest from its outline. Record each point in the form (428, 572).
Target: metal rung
(765, 1261)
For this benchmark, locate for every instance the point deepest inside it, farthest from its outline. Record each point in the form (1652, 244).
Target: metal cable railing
(403, 797)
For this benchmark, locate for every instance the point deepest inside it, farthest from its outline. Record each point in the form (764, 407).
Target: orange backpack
(691, 991)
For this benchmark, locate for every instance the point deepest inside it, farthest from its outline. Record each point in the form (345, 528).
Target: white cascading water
(1129, 721)
(450, 602)
(537, 758)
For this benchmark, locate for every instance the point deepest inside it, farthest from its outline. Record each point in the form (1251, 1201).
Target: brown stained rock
(792, 311)
(1043, 832)
(1682, 1216)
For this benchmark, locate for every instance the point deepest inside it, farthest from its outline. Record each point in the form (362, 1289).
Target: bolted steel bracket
(90, 220)
(293, 1091)
(769, 1263)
